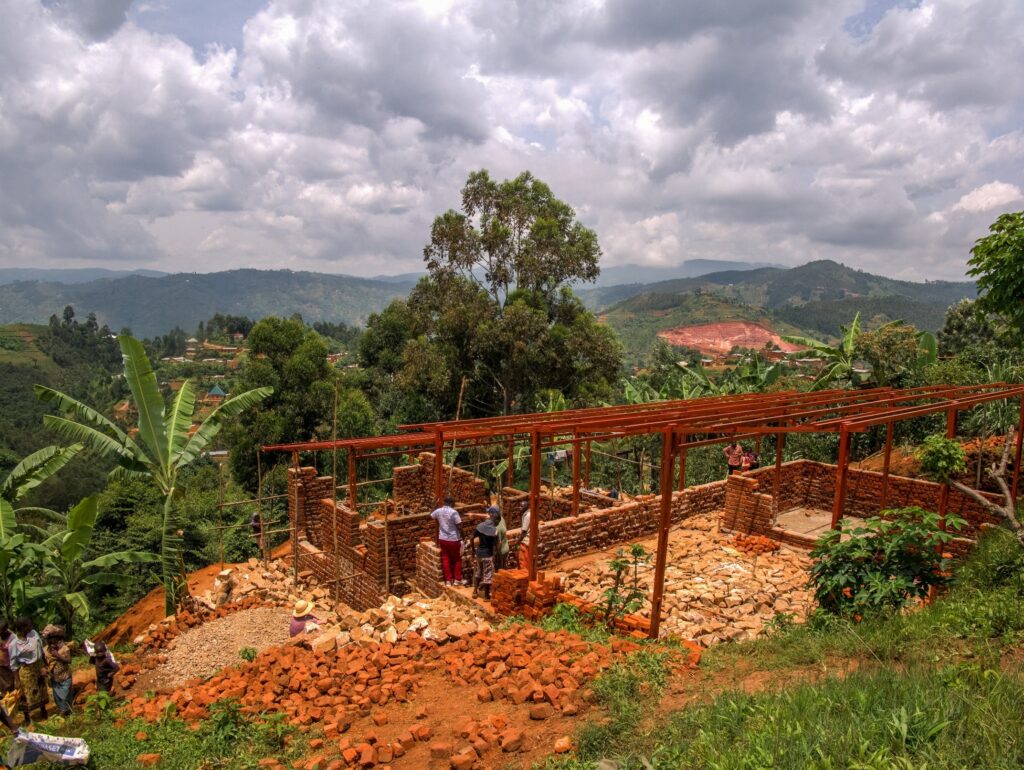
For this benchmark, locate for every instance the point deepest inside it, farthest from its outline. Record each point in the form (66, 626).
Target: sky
(199, 135)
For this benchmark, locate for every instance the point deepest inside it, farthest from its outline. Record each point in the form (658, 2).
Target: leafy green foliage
(882, 563)
(838, 361)
(626, 594)
(942, 458)
(510, 235)
(167, 442)
(996, 262)
(248, 654)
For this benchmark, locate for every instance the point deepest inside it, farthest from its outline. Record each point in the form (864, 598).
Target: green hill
(817, 298)
(774, 287)
(154, 305)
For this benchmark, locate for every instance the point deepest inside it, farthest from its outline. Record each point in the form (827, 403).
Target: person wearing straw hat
(501, 551)
(303, 619)
(485, 536)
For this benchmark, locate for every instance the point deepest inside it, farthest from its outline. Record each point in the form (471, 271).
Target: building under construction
(365, 557)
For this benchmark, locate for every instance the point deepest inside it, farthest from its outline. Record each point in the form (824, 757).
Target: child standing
(105, 665)
(58, 666)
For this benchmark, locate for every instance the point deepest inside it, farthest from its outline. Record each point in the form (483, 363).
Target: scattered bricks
(484, 695)
(421, 712)
(511, 740)
(148, 760)
(141, 736)
(563, 745)
(385, 754)
(440, 750)
(464, 760)
(421, 732)
(380, 718)
(367, 755)
(541, 711)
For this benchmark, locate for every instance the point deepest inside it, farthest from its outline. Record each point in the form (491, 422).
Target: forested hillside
(151, 306)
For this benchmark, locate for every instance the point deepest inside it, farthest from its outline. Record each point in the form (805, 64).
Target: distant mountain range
(67, 275)
(816, 297)
(154, 305)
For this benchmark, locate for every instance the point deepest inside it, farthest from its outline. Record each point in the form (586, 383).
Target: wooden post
(664, 523)
(780, 441)
(439, 467)
(535, 472)
(886, 459)
(353, 487)
(438, 479)
(575, 475)
(511, 462)
(944, 490)
(586, 470)
(682, 463)
(842, 467)
(1017, 454)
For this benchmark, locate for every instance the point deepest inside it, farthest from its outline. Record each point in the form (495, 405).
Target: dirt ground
(720, 338)
(206, 649)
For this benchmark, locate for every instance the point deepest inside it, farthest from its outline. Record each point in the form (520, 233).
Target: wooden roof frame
(682, 424)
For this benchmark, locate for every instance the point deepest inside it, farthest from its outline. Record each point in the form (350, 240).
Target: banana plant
(839, 360)
(167, 444)
(68, 577)
(26, 475)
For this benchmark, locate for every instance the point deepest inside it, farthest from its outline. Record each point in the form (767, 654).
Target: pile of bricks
(633, 625)
(752, 545)
(544, 672)
(508, 591)
(541, 596)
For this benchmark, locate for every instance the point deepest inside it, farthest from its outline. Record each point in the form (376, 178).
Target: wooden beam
(886, 460)
(842, 471)
(352, 479)
(576, 477)
(664, 523)
(535, 471)
(586, 471)
(682, 466)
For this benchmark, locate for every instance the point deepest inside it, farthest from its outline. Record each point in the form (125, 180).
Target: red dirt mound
(720, 338)
(150, 609)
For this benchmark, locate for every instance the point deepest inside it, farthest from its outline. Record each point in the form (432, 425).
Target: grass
(227, 740)
(931, 691)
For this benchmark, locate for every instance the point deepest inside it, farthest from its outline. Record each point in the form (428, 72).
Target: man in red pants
(449, 538)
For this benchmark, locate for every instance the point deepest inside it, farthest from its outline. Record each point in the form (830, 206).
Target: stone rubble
(713, 592)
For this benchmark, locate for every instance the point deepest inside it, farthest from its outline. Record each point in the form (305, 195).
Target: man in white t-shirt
(449, 539)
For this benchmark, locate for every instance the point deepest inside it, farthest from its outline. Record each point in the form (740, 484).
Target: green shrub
(248, 654)
(881, 563)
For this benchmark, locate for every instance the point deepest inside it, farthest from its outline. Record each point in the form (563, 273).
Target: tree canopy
(997, 262)
(513, 234)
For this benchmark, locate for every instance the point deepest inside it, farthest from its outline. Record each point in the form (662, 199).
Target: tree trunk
(172, 557)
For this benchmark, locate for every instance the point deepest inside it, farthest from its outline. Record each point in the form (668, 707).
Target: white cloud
(332, 137)
(989, 196)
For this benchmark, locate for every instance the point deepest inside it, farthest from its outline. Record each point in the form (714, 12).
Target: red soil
(150, 609)
(720, 338)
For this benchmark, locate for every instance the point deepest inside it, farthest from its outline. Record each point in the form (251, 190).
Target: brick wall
(305, 491)
(598, 529)
(746, 509)
(809, 484)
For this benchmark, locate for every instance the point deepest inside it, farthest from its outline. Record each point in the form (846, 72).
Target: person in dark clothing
(485, 539)
(105, 665)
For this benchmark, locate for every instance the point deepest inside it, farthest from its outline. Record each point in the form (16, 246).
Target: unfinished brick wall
(305, 491)
(809, 484)
(595, 530)
(746, 509)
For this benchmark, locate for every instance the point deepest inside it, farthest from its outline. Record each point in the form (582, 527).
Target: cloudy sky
(199, 135)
